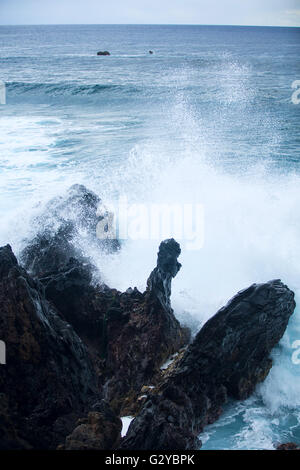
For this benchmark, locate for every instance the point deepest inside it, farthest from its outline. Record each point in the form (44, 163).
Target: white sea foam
(126, 420)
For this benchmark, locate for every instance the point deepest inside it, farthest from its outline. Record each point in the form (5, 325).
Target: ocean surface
(207, 119)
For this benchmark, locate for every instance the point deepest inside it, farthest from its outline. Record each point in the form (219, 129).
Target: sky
(231, 12)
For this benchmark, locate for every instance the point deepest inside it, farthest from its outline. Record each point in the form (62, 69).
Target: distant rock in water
(103, 53)
(228, 358)
(150, 52)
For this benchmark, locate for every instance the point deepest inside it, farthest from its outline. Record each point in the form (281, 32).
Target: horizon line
(152, 24)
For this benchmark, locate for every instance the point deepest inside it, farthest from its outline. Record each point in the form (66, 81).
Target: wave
(221, 160)
(65, 89)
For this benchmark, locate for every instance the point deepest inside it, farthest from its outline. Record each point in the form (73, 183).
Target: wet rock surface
(80, 354)
(70, 344)
(66, 221)
(48, 380)
(130, 334)
(100, 430)
(288, 446)
(228, 358)
(54, 258)
(142, 331)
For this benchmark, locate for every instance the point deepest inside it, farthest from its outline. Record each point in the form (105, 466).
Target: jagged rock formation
(54, 258)
(288, 446)
(103, 53)
(58, 227)
(48, 380)
(143, 333)
(71, 343)
(129, 334)
(53, 377)
(159, 281)
(100, 430)
(228, 357)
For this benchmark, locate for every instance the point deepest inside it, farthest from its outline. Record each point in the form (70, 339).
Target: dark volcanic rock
(288, 446)
(101, 430)
(129, 334)
(54, 258)
(52, 377)
(144, 332)
(103, 53)
(49, 252)
(48, 381)
(159, 282)
(65, 220)
(229, 357)
(78, 301)
(70, 344)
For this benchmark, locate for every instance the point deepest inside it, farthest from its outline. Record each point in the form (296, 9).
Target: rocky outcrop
(288, 446)
(53, 375)
(159, 281)
(48, 381)
(100, 430)
(130, 334)
(65, 221)
(103, 53)
(80, 354)
(228, 358)
(55, 259)
(144, 332)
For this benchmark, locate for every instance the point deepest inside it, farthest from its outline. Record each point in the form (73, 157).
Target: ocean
(207, 119)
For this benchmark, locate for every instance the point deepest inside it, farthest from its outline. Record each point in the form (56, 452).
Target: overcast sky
(233, 12)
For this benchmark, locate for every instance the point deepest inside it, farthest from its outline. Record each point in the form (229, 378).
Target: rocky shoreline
(81, 354)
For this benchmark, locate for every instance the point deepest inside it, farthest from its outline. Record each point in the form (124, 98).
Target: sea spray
(208, 120)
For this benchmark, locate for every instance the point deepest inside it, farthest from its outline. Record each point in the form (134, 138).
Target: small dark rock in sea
(103, 53)
(150, 52)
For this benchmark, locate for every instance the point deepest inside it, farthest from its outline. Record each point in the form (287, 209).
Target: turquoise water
(208, 118)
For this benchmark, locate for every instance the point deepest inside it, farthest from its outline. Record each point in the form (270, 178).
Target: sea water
(208, 119)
